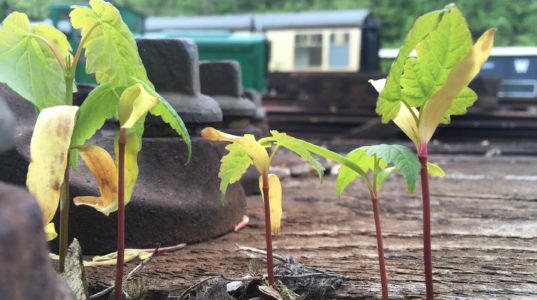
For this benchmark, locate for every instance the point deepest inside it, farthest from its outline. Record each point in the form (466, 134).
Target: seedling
(379, 162)
(422, 92)
(245, 151)
(37, 63)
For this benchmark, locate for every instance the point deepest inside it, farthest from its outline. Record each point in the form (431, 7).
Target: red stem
(268, 230)
(380, 247)
(120, 216)
(427, 253)
(64, 219)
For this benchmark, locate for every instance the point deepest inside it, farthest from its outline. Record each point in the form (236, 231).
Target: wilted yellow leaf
(435, 170)
(134, 103)
(111, 258)
(378, 84)
(50, 232)
(275, 200)
(102, 166)
(132, 148)
(406, 121)
(48, 150)
(255, 151)
(457, 80)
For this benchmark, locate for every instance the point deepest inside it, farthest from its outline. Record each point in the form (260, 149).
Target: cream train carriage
(323, 44)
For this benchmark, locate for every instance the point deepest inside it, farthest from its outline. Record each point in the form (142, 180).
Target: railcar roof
(341, 18)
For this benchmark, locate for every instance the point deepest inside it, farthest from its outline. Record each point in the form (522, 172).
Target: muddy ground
(484, 224)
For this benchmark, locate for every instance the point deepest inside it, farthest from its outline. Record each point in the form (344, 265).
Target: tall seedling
(37, 63)
(423, 92)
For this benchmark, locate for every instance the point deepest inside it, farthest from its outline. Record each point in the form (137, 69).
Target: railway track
(503, 124)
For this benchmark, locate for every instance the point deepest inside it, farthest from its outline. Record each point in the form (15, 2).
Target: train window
(308, 50)
(338, 54)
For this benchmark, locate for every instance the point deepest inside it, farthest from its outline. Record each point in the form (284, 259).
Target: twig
(313, 275)
(195, 286)
(262, 252)
(247, 278)
(141, 265)
(138, 268)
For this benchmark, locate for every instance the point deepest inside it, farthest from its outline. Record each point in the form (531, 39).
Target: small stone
(303, 169)
(74, 271)
(135, 288)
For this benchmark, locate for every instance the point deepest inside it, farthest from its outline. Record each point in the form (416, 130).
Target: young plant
(422, 92)
(375, 160)
(37, 64)
(245, 151)
(380, 162)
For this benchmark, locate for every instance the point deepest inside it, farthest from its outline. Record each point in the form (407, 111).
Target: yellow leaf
(435, 170)
(134, 103)
(378, 84)
(111, 258)
(406, 121)
(50, 232)
(102, 166)
(48, 151)
(457, 80)
(275, 200)
(255, 151)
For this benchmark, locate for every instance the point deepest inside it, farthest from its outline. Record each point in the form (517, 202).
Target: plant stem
(65, 198)
(427, 253)
(268, 230)
(380, 246)
(81, 46)
(120, 215)
(64, 219)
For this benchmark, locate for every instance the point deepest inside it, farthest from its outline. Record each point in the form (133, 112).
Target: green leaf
(383, 175)
(298, 147)
(346, 175)
(100, 105)
(29, 66)
(401, 157)
(232, 167)
(460, 104)
(437, 55)
(111, 50)
(388, 103)
(321, 152)
(168, 114)
(435, 170)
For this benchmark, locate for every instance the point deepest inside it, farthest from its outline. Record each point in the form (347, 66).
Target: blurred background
(309, 61)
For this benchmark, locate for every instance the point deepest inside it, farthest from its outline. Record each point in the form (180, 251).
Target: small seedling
(245, 151)
(379, 162)
(37, 64)
(422, 92)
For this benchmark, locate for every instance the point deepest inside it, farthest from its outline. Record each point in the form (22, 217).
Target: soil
(483, 222)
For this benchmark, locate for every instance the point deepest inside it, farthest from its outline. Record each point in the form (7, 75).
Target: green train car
(249, 49)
